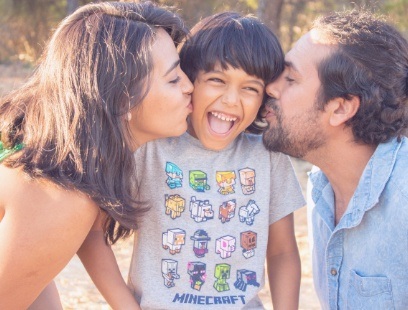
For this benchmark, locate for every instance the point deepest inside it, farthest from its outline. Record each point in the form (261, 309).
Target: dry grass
(76, 288)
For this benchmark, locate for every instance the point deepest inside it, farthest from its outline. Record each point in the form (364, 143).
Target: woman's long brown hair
(69, 115)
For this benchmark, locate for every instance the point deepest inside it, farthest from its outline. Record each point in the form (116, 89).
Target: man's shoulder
(399, 172)
(400, 168)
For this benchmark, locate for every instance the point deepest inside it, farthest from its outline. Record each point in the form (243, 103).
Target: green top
(6, 152)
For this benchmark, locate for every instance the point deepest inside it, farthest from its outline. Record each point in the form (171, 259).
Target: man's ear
(341, 110)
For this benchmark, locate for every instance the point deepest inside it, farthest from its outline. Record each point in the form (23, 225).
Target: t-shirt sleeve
(285, 194)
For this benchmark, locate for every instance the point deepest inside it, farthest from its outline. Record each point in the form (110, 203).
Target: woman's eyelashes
(176, 80)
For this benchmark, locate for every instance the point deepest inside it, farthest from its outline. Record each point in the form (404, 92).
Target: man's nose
(272, 90)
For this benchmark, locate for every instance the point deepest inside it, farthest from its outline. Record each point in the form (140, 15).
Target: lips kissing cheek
(220, 123)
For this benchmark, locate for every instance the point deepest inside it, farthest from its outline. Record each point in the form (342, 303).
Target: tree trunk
(269, 11)
(72, 5)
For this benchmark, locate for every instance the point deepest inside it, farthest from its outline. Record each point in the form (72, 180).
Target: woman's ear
(341, 110)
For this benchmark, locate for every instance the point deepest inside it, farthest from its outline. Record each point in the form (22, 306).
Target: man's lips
(269, 112)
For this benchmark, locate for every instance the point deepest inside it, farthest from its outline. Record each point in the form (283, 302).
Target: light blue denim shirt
(362, 263)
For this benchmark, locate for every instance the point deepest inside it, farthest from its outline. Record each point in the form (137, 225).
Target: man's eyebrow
(291, 66)
(174, 65)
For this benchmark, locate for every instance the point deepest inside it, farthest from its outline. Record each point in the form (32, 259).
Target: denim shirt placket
(361, 202)
(333, 263)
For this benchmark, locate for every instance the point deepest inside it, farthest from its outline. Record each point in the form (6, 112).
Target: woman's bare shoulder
(18, 190)
(43, 222)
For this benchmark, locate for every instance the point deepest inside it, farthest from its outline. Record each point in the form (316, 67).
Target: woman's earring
(129, 116)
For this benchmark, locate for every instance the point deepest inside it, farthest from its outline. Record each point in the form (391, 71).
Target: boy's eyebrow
(258, 82)
(174, 65)
(254, 81)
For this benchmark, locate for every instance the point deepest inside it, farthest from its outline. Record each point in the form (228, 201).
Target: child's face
(225, 103)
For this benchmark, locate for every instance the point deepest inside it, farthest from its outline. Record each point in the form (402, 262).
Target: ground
(77, 290)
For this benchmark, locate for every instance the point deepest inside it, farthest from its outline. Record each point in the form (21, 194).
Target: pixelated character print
(244, 278)
(173, 239)
(200, 246)
(222, 273)
(174, 175)
(169, 272)
(247, 213)
(197, 272)
(175, 205)
(247, 179)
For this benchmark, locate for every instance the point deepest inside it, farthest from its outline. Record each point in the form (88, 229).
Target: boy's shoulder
(250, 138)
(254, 141)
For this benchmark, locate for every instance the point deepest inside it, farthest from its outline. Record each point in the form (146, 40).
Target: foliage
(25, 25)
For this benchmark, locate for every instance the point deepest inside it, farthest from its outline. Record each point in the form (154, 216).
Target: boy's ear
(341, 110)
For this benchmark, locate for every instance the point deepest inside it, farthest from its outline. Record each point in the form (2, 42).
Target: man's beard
(297, 137)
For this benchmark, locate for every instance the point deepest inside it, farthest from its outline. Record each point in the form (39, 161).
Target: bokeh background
(26, 25)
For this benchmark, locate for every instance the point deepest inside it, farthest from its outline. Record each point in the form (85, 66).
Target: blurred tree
(25, 25)
(398, 9)
(194, 10)
(72, 5)
(269, 11)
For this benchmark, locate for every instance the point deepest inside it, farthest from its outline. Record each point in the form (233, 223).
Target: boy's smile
(221, 123)
(226, 102)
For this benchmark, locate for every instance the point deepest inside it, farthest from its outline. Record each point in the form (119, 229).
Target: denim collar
(372, 182)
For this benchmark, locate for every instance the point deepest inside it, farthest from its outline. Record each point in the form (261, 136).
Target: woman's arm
(41, 229)
(100, 263)
(48, 299)
(283, 264)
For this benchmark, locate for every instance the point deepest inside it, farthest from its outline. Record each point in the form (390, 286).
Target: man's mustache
(271, 103)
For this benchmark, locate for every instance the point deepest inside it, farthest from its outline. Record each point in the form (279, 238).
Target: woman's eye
(176, 80)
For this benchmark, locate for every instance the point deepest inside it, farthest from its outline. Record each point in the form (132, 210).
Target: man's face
(295, 123)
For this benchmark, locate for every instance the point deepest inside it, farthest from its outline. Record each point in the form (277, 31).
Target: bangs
(240, 42)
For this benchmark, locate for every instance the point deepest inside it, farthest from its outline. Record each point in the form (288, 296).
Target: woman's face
(164, 110)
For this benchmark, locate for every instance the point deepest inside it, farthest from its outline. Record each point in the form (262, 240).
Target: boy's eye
(217, 80)
(176, 80)
(252, 89)
(288, 79)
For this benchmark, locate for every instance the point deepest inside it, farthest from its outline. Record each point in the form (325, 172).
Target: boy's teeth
(223, 117)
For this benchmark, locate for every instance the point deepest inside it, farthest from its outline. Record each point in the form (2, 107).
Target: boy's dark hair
(69, 115)
(370, 61)
(231, 39)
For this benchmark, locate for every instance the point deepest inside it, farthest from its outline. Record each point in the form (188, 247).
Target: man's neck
(343, 164)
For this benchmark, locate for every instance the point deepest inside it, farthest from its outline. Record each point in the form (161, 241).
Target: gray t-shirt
(203, 242)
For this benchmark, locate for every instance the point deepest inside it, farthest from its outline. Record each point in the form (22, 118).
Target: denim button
(333, 272)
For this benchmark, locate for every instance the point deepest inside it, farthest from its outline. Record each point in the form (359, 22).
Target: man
(341, 104)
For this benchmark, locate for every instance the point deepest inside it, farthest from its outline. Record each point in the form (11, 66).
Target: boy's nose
(230, 97)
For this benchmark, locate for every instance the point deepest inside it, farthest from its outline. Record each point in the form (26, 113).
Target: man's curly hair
(370, 61)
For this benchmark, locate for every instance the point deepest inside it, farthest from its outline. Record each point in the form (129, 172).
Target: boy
(220, 204)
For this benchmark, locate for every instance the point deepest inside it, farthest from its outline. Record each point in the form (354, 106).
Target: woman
(109, 81)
